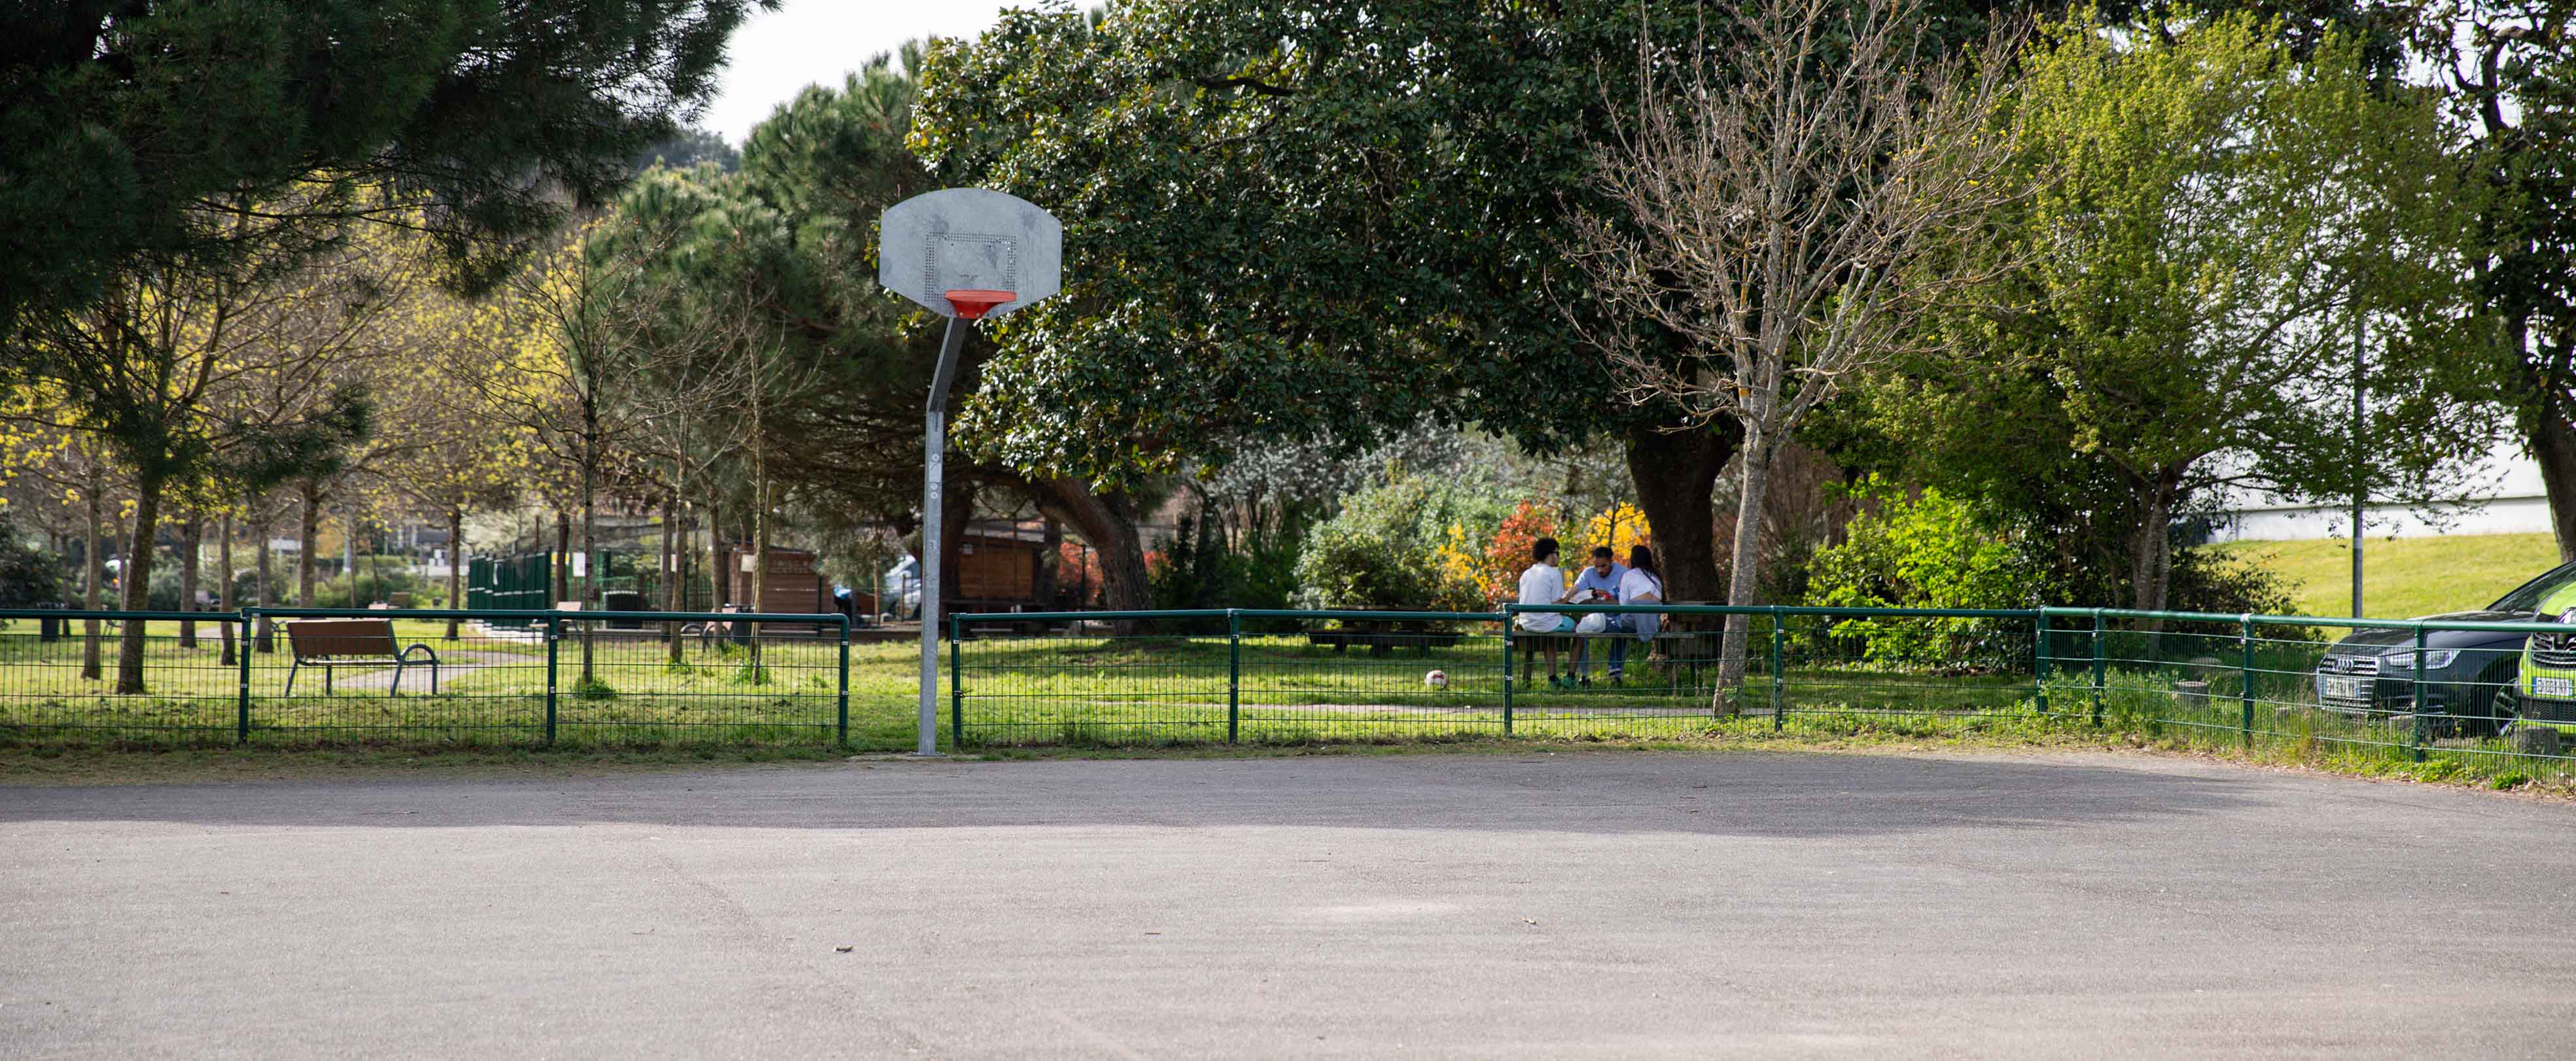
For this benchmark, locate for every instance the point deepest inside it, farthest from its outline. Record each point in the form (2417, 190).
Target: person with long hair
(1643, 584)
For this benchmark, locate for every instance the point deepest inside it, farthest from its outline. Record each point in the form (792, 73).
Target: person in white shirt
(1641, 585)
(1543, 583)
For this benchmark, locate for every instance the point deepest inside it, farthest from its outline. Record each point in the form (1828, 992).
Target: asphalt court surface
(1612, 904)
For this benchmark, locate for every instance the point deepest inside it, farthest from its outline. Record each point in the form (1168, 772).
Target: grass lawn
(492, 692)
(2404, 577)
(1179, 693)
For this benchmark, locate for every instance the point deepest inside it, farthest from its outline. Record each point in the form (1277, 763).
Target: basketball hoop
(967, 254)
(973, 303)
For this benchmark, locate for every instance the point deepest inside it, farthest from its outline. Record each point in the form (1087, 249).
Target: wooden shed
(1001, 567)
(794, 585)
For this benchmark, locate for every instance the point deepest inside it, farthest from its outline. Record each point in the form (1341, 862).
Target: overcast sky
(811, 41)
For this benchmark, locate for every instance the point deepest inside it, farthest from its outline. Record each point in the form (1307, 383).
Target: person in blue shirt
(1599, 583)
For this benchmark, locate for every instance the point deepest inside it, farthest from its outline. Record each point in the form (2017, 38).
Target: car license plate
(2561, 688)
(2334, 688)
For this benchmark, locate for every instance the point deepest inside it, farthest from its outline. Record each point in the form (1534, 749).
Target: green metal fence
(1298, 675)
(506, 583)
(2431, 699)
(526, 582)
(531, 677)
(2475, 701)
(2303, 687)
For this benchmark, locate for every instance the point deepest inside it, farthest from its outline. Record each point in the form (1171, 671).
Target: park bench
(1381, 637)
(1677, 633)
(710, 632)
(333, 643)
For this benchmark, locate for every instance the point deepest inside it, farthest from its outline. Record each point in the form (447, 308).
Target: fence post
(2245, 677)
(1507, 668)
(553, 632)
(2039, 661)
(241, 706)
(2417, 739)
(1233, 674)
(2098, 663)
(956, 681)
(1779, 691)
(843, 693)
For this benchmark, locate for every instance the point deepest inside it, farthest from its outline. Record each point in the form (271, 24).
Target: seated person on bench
(1641, 585)
(1598, 582)
(1544, 583)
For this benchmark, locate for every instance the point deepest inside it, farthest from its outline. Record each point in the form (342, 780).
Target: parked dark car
(2372, 672)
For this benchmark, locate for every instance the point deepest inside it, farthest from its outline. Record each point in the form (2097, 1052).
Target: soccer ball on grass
(1436, 679)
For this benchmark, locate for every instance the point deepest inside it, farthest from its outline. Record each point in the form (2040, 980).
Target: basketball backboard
(970, 239)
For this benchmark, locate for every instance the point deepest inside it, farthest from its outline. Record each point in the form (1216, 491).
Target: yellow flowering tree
(1622, 526)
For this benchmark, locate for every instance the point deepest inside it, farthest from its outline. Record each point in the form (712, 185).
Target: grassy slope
(2408, 576)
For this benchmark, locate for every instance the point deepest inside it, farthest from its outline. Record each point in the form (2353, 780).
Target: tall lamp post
(967, 254)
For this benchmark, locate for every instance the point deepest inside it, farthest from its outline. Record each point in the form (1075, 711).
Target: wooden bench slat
(316, 639)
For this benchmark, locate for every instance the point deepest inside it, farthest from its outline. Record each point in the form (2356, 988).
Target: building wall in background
(2506, 498)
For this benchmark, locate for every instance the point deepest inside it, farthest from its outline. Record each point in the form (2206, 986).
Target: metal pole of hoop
(934, 449)
(971, 306)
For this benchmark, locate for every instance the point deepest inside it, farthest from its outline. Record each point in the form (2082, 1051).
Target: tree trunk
(192, 540)
(590, 565)
(1744, 574)
(719, 575)
(2551, 441)
(138, 581)
(455, 565)
(562, 589)
(2147, 545)
(1675, 474)
(2149, 559)
(349, 561)
(1108, 522)
(759, 512)
(759, 538)
(224, 588)
(1049, 552)
(670, 571)
(590, 560)
(97, 578)
(266, 638)
(310, 531)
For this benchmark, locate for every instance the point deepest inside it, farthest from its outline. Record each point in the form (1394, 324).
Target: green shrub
(1197, 567)
(29, 576)
(1929, 551)
(1382, 550)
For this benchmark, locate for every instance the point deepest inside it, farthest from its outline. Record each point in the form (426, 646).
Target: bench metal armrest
(417, 647)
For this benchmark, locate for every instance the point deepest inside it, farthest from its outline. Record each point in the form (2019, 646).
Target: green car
(2546, 693)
